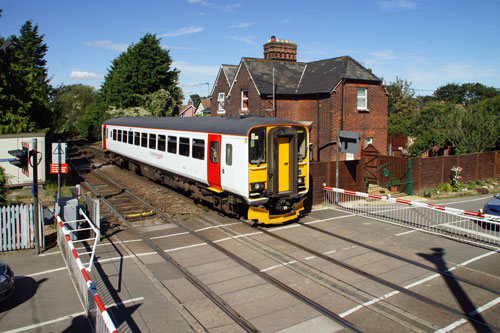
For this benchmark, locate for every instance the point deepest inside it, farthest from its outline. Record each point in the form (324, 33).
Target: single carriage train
(257, 167)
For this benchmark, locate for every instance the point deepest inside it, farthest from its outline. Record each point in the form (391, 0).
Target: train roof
(220, 125)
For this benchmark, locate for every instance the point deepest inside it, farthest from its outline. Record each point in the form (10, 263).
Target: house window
(362, 99)
(220, 103)
(244, 100)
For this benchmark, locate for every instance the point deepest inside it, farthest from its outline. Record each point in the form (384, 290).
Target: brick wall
(220, 86)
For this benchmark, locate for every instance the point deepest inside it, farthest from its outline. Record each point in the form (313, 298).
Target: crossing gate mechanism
(462, 225)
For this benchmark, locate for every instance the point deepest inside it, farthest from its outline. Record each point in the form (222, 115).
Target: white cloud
(199, 70)
(107, 44)
(384, 55)
(183, 31)
(201, 2)
(230, 8)
(81, 75)
(240, 25)
(246, 40)
(403, 4)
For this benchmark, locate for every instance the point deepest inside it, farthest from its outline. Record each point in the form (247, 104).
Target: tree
(3, 187)
(138, 72)
(70, 103)
(402, 107)
(24, 87)
(465, 94)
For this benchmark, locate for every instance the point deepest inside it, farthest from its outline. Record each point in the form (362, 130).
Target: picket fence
(17, 228)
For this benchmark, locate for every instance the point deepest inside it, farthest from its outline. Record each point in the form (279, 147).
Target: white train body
(260, 163)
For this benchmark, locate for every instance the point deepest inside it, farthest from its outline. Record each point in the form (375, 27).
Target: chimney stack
(277, 49)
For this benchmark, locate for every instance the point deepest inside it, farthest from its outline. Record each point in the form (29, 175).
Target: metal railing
(462, 225)
(87, 289)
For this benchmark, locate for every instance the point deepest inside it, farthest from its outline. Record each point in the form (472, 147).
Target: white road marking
(68, 317)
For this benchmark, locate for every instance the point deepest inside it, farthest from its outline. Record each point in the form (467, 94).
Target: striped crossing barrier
(463, 225)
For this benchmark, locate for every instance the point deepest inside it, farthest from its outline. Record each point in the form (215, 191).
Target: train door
(213, 161)
(283, 165)
(104, 137)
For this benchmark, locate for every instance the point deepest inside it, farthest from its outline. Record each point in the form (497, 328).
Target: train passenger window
(199, 149)
(161, 142)
(130, 137)
(124, 137)
(152, 141)
(229, 154)
(301, 143)
(119, 138)
(114, 134)
(257, 149)
(214, 152)
(172, 144)
(137, 138)
(184, 146)
(144, 140)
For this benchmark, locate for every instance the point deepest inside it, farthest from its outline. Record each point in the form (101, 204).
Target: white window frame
(220, 102)
(244, 99)
(362, 98)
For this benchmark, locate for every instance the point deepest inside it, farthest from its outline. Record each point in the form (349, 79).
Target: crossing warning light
(21, 156)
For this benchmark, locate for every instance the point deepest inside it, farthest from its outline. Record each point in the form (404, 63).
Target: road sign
(59, 164)
(59, 152)
(59, 168)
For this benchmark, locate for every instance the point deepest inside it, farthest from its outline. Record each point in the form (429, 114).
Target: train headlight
(260, 186)
(301, 180)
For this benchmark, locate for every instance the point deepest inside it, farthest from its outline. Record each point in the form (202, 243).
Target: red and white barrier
(66, 242)
(464, 225)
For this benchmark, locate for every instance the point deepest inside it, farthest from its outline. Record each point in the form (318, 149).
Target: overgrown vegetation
(465, 117)
(3, 188)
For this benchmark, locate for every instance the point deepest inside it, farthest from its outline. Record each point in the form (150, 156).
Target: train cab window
(137, 138)
(198, 149)
(114, 134)
(130, 137)
(257, 149)
(119, 138)
(229, 154)
(214, 152)
(172, 144)
(144, 140)
(161, 142)
(124, 137)
(301, 143)
(152, 141)
(184, 146)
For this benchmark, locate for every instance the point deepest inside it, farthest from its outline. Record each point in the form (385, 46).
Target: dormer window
(362, 100)
(244, 101)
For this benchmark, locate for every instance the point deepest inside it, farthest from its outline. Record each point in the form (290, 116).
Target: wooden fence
(17, 229)
(425, 172)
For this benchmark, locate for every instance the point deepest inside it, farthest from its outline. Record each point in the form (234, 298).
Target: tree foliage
(138, 72)
(402, 107)
(465, 94)
(69, 104)
(24, 86)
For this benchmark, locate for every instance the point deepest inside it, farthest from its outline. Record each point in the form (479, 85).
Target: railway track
(322, 277)
(124, 204)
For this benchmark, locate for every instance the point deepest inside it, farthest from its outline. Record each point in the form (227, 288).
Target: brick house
(331, 94)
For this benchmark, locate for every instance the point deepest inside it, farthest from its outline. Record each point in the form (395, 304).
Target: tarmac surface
(133, 289)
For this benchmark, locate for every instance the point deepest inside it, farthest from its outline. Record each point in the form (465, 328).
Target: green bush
(471, 185)
(445, 187)
(428, 192)
(480, 182)
(3, 188)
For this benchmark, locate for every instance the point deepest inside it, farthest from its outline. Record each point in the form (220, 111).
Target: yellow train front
(256, 167)
(278, 172)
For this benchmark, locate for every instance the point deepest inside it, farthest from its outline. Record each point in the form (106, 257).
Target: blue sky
(429, 43)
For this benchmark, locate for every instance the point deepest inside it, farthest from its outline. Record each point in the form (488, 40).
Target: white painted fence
(17, 228)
